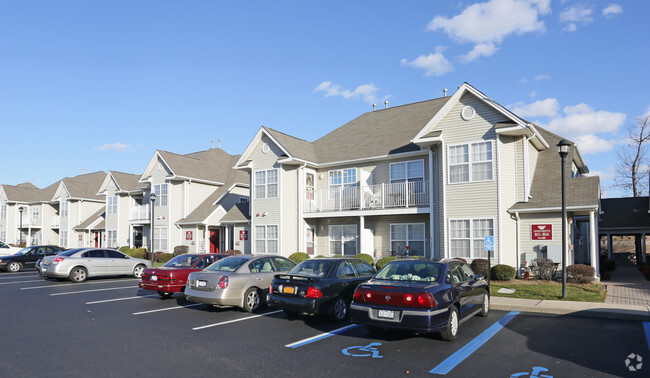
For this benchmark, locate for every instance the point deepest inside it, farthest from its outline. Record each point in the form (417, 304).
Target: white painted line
(167, 309)
(90, 291)
(121, 299)
(236, 320)
(19, 275)
(321, 336)
(19, 282)
(72, 284)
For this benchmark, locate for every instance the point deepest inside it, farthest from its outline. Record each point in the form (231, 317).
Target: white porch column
(594, 244)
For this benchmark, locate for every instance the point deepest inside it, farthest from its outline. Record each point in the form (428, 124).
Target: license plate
(154, 278)
(288, 290)
(386, 314)
(200, 283)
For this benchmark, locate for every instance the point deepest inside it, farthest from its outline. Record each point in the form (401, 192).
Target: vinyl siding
(529, 245)
(381, 226)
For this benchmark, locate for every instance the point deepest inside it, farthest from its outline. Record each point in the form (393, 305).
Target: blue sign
(489, 243)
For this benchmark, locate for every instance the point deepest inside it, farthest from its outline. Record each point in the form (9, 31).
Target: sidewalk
(628, 297)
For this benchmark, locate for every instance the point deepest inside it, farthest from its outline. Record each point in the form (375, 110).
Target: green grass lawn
(550, 291)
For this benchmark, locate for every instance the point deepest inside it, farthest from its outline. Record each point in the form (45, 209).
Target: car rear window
(312, 268)
(70, 252)
(229, 264)
(182, 261)
(410, 271)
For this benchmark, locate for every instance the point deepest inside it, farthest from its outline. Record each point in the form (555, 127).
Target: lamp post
(563, 150)
(152, 198)
(20, 230)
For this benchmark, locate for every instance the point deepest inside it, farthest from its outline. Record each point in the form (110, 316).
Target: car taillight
(146, 276)
(271, 289)
(58, 259)
(223, 282)
(312, 292)
(408, 299)
(426, 300)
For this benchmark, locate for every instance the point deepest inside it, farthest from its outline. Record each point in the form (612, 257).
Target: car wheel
(14, 266)
(340, 309)
(165, 294)
(252, 300)
(485, 307)
(451, 329)
(78, 274)
(137, 271)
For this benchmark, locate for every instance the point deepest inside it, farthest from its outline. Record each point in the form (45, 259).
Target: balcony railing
(56, 221)
(29, 221)
(139, 213)
(381, 196)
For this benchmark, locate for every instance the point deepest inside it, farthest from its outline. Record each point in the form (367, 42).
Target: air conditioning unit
(552, 252)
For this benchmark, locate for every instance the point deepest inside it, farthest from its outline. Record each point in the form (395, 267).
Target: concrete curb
(583, 309)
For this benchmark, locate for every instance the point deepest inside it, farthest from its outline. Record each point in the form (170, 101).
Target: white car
(82, 263)
(6, 250)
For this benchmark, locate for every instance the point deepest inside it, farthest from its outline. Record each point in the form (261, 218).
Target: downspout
(500, 238)
(431, 205)
(518, 244)
(301, 179)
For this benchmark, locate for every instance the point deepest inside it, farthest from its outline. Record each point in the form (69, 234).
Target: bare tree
(632, 167)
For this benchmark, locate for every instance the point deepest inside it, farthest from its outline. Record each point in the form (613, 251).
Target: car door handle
(259, 279)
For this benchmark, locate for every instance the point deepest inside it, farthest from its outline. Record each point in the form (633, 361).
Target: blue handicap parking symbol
(533, 374)
(369, 350)
(489, 243)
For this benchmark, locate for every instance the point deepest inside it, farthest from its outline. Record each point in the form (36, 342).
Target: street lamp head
(563, 148)
(21, 209)
(153, 197)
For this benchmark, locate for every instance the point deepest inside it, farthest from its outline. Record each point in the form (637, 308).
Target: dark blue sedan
(421, 295)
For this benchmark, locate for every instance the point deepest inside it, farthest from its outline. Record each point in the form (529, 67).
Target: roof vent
(445, 92)
(374, 107)
(385, 104)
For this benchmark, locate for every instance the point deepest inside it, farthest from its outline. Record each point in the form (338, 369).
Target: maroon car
(171, 277)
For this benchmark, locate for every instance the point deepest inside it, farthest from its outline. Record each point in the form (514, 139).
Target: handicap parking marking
(121, 299)
(321, 336)
(369, 350)
(168, 308)
(235, 320)
(80, 284)
(19, 282)
(451, 362)
(94, 290)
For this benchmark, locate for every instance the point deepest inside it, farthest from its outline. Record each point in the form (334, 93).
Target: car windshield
(312, 268)
(182, 261)
(229, 264)
(410, 271)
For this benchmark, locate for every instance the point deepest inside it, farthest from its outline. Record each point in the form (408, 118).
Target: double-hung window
(65, 207)
(266, 239)
(160, 239)
(343, 240)
(36, 214)
(408, 239)
(64, 239)
(161, 193)
(467, 237)
(112, 238)
(470, 162)
(411, 172)
(266, 183)
(343, 178)
(3, 211)
(111, 205)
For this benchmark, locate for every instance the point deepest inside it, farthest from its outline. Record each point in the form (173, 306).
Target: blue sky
(100, 85)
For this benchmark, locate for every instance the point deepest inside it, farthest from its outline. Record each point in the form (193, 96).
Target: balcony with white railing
(140, 213)
(371, 197)
(30, 221)
(56, 221)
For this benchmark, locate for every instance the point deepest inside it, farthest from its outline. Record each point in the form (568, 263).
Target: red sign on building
(243, 235)
(542, 232)
(189, 235)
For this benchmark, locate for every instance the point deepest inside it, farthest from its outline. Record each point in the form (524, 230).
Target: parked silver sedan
(241, 281)
(82, 263)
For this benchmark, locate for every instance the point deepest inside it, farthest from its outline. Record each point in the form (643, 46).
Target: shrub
(503, 272)
(181, 250)
(543, 269)
(383, 261)
(163, 258)
(233, 252)
(139, 253)
(579, 273)
(365, 257)
(124, 249)
(298, 257)
(480, 266)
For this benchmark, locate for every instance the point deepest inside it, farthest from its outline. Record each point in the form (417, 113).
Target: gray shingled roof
(91, 219)
(546, 190)
(237, 214)
(378, 133)
(28, 193)
(213, 165)
(207, 207)
(126, 181)
(85, 186)
(620, 214)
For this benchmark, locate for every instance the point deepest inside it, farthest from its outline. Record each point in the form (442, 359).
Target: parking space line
(69, 284)
(236, 320)
(452, 361)
(321, 336)
(167, 309)
(93, 290)
(19, 282)
(14, 275)
(120, 299)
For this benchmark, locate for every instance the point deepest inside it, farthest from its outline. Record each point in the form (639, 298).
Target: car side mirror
(480, 277)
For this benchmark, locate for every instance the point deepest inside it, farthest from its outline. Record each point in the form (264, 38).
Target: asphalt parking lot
(109, 327)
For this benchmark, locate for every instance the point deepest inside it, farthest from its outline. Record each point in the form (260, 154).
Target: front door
(309, 239)
(214, 241)
(97, 239)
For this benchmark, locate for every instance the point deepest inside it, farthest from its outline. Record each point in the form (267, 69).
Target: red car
(171, 277)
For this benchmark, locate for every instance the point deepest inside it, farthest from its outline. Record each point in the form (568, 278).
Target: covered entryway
(215, 240)
(624, 224)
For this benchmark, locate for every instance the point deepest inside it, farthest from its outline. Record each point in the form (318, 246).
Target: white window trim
(424, 226)
(343, 184)
(111, 238)
(111, 205)
(329, 238)
(159, 196)
(266, 183)
(159, 239)
(407, 178)
(471, 234)
(470, 162)
(266, 239)
(3, 211)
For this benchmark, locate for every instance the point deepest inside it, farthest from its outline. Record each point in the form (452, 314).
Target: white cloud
(366, 91)
(540, 108)
(576, 14)
(612, 10)
(482, 49)
(434, 64)
(542, 77)
(581, 119)
(591, 143)
(113, 147)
